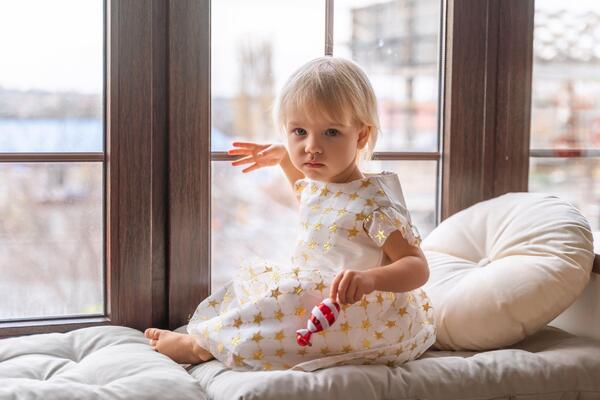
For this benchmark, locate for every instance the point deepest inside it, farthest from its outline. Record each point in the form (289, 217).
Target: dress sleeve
(387, 219)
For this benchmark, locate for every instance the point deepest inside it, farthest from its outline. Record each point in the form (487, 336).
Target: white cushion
(503, 268)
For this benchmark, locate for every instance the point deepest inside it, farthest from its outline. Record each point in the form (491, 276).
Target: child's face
(322, 149)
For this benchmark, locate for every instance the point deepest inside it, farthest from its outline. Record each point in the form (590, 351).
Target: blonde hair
(330, 86)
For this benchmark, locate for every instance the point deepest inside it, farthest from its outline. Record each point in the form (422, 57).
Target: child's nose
(312, 145)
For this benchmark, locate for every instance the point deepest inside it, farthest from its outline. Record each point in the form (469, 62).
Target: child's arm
(407, 270)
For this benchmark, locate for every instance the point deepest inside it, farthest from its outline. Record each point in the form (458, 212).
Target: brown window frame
(158, 155)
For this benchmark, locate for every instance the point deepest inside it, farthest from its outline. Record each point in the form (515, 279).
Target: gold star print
(279, 315)
(390, 323)
(312, 244)
(302, 352)
(279, 335)
(238, 359)
(300, 311)
(213, 303)
(237, 322)
(205, 333)
(299, 187)
(296, 271)
(220, 347)
(364, 302)
(327, 210)
(413, 346)
(370, 202)
(251, 272)
(347, 349)
(267, 366)
(258, 318)
(345, 327)
(305, 225)
(380, 354)
(298, 290)
(325, 191)
(383, 217)
(318, 226)
(366, 344)
(378, 335)
(391, 364)
(338, 193)
(380, 235)
(353, 196)
(257, 337)
(218, 326)
(280, 352)
(276, 293)
(360, 216)
(333, 228)
(352, 232)
(258, 355)
(365, 184)
(327, 246)
(320, 286)
(342, 211)
(305, 256)
(423, 295)
(314, 188)
(379, 298)
(381, 192)
(276, 277)
(316, 207)
(366, 324)
(426, 307)
(402, 311)
(325, 350)
(401, 338)
(235, 340)
(410, 298)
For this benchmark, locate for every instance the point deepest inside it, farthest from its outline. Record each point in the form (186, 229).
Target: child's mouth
(314, 165)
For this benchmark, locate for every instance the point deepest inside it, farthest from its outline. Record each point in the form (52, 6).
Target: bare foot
(180, 347)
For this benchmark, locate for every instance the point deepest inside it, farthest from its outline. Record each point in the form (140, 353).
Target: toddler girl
(357, 245)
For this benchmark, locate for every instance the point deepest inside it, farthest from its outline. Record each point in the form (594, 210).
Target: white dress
(251, 322)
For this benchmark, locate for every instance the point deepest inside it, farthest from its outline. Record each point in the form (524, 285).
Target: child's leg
(180, 347)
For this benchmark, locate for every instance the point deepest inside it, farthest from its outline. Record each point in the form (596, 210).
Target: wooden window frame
(135, 172)
(158, 154)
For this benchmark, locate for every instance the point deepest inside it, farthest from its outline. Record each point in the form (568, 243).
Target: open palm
(259, 155)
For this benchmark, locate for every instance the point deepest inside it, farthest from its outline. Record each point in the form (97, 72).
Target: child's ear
(363, 136)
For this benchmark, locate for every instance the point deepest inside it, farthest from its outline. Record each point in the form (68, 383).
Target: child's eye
(299, 131)
(331, 132)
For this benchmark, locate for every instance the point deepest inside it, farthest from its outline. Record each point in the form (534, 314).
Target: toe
(151, 333)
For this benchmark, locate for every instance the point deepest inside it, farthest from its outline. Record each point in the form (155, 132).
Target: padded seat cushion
(104, 362)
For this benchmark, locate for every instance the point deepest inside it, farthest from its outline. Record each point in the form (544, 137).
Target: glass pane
(574, 179)
(566, 75)
(51, 76)
(255, 214)
(256, 45)
(397, 43)
(51, 240)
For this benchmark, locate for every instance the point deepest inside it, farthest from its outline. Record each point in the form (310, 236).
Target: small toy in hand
(322, 317)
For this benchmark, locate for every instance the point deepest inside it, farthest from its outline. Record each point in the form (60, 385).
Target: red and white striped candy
(322, 317)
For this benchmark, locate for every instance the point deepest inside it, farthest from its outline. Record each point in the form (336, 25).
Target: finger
(343, 288)
(358, 295)
(333, 292)
(246, 145)
(351, 294)
(244, 160)
(251, 168)
(234, 152)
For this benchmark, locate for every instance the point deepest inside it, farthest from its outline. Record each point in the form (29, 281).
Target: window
(51, 160)
(565, 123)
(254, 51)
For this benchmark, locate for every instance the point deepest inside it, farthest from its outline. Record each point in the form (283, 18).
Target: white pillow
(505, 267)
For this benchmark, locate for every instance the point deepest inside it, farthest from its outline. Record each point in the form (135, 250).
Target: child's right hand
(262, 155)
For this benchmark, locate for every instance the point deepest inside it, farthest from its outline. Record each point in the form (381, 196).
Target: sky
(58, 44)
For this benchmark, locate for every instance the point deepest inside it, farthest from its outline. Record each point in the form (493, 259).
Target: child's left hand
(350, 286)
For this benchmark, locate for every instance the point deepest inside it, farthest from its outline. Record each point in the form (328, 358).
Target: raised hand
(259, 155)
(349, 286)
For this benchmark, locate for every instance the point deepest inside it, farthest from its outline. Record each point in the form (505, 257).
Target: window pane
(397, 43)
(574, 179)
(256, 214)
(51, 246)
(51, 76)
(566, 75)
(253, 215)
(256, 45)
